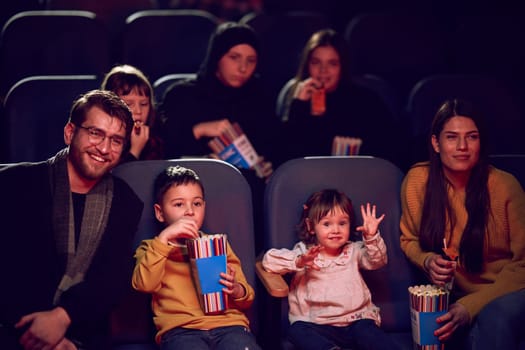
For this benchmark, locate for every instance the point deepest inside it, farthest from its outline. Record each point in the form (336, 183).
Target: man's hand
(46, 328)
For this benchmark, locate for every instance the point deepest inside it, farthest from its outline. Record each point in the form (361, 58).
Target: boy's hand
(233, 288)
(307, 259)
(370, 222)
(180, 229)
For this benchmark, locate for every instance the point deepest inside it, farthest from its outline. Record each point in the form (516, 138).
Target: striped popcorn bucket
(427, 302)
(208, 259)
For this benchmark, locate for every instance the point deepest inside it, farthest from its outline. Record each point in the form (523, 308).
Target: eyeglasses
(96, 136)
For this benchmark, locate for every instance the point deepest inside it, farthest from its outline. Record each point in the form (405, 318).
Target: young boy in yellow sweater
(163, 269)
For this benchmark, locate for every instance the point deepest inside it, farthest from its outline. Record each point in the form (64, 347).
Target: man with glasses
(67, 232)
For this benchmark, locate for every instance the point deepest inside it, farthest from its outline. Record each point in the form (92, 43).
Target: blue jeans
(221, 338)
(500, 324)
(363, 334)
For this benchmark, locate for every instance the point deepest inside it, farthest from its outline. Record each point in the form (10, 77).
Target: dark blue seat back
(363, 179)
(52, 43)
(36, 111)
(161, 85)
(494, 97)
(282, 37)
(401, 48)
(161, 42)
(373, 83)
(228, 210)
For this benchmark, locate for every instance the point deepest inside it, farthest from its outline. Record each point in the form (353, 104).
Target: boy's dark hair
(174, 175)
(318, 205)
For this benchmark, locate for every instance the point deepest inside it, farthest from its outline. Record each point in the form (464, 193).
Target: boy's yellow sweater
(504, 256)
(164, 271)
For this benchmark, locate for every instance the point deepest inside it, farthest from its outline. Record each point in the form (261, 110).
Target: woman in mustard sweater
(459, 202)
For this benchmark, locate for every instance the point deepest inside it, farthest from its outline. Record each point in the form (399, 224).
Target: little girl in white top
(330, 304)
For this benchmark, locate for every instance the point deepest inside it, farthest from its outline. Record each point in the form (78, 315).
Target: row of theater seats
(229, 209)
(36, 109)
(159, 42)
(398, 47)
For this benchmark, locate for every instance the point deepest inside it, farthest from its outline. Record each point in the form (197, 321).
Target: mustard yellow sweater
(164, 271)
(504, 256)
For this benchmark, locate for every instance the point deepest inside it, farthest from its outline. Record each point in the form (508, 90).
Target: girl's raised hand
(370, 221)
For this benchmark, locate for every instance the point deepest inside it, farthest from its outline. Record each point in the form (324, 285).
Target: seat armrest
(273, 282)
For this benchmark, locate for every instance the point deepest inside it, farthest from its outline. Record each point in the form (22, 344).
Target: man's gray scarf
(94, 221)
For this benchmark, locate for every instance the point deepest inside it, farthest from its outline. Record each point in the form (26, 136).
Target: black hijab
(226, 36)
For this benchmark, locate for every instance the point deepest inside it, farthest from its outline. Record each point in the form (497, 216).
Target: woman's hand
(306, 87)
(439, 269)
(370, 222)
(263, 169)
(181, 229)
(457, 316)
(233, 288)
(139, 138)
(211, 129)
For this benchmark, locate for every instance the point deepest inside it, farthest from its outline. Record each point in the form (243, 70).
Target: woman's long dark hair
(436, 206)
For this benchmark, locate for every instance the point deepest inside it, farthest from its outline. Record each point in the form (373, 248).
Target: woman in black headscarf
(226, 91)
